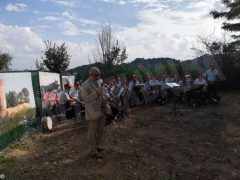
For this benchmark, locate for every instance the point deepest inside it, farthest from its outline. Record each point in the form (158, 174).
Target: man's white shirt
(211, 75)
(64, 97)
(200, 82)
(75, 93)
(131, 84)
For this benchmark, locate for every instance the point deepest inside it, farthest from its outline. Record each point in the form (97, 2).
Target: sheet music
(172, 85)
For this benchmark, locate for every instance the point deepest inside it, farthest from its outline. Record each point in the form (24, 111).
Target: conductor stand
(174, 87)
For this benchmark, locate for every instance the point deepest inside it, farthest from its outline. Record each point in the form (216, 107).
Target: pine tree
(232, 13)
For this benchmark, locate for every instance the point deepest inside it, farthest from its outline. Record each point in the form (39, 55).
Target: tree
(12, 99)
(56, 58)
(5, 61)
(232, 13)
(20, 96)
(213, 46)
(39, 65)
(26, 94)
(108, 51)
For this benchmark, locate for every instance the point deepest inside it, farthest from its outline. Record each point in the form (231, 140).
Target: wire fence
(14, 134)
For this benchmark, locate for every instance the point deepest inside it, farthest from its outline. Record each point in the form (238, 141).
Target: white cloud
(17, 7)
(69, 28)
(79, 53)
(162, 32)
(67, 3)
(81, 20)
(22, 43)
(71, 24)
(26, 46)
(122, 2)
(51, 18)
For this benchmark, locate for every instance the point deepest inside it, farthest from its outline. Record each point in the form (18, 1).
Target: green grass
(10, 122)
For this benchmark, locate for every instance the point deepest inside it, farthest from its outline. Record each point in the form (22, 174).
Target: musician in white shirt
(200, 82)
(148, 84)
(186, 88)
(66, 100)
(133, 83)
(155, 81)
(76, 91)
(169, 79)
(200, 89)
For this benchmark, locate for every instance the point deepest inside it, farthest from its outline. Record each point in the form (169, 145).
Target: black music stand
(177, 96)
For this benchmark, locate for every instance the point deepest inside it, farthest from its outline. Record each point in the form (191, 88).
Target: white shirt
(211, 75)
(132, 84)
(155, 82)
(185, 85)
(147, 86)
(169, 80)
(75, 93)
(64, 96)
(199, 82)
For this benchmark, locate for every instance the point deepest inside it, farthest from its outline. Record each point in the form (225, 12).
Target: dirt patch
(204, 144)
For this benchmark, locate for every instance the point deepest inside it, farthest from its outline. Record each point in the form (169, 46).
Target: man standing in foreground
(212, 77)
(92, 94)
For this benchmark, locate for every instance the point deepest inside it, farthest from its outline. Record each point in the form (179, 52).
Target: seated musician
(67, 101)
(133, 82)
(76, 94)
(155, 81)
(185, 86)
(200, 82)
(148, 86)
(116, 87)
(135, 88)
(124, 89)
(200, 89)
(76, 91)
(118, 83)
(169, 78)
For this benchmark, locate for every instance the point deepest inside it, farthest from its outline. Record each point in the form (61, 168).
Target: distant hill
(152, 62)
(198, 64)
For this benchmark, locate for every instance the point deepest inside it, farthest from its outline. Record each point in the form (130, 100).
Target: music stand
(174, 89)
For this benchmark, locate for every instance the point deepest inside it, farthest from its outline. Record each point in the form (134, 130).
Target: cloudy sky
(149, 28)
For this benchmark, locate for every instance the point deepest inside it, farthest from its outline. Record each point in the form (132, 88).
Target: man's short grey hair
(94, 70)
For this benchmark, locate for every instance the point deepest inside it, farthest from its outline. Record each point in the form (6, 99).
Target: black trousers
(212, 91)
(70, 113)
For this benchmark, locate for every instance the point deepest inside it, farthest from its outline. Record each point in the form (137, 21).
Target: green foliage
(56, 58)
(5, 61)
(12, 99)
(10, 122)
(232, 13)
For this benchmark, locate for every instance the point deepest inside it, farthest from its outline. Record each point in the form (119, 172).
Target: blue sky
(149, 28)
